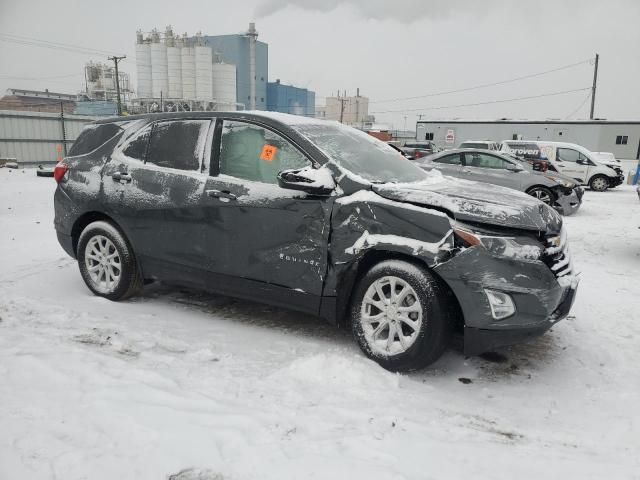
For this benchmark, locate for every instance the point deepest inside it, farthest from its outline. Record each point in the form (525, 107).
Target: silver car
(552, 188)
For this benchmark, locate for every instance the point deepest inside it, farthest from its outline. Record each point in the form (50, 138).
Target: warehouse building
(622, 138)
(290, 99)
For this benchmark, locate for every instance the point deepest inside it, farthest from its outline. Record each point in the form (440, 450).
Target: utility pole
(64, 131)
(115, 62)
(593, 88)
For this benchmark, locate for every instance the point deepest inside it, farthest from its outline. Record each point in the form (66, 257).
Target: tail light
(417, 154)
(60, 171)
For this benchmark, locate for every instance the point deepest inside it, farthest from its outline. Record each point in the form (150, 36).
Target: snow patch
(417, 247)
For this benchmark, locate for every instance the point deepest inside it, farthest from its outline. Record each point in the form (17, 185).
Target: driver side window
(569, 155)
(255, 153)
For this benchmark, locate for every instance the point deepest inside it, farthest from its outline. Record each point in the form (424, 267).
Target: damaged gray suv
(317, 217)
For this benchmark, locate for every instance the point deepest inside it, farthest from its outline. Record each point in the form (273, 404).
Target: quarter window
(177, 144)
(255, 153)
(622, 139)
(92, 136)
(482, 160)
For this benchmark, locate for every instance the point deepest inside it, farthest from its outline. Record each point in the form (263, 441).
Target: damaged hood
(477, 202)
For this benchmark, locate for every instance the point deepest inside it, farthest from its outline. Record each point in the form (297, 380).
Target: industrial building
(290, 99)
(622, 138)
(38, 101)
(251, 60)
(100, 83)
(353, 111)
(201, 72)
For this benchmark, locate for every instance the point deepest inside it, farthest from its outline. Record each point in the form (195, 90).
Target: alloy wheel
(103, 264)
(391, 316)
(542, 196)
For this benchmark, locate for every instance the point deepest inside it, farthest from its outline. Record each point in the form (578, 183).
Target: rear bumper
(66, 242)
(480, 340)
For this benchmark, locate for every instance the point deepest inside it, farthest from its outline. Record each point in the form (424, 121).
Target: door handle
(222, 194)
(122, 177)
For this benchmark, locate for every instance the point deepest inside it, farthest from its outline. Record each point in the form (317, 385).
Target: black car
(313, 216)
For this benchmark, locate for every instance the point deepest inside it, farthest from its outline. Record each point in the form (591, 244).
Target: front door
(154, 186)
(567, 163)
(254, 229)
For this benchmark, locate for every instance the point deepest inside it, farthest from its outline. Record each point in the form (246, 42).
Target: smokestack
(253, 36)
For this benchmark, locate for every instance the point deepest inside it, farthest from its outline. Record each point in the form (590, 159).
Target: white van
(569, 159)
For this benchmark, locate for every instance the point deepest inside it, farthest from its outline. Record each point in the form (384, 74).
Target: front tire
(399, 316)
(107, 263)
(543, 194)
(599, 183)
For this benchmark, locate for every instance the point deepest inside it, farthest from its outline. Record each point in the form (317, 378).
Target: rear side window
(92, 136)
(177, 144)
(137, 148)
(449, 159)
(482, 160)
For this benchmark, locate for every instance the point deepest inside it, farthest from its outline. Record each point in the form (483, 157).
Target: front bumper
(568, 203)
(480, 340)
(618, 180)
(540, 299)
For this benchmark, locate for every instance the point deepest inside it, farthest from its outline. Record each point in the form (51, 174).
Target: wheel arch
(84, 220)
(359, 267)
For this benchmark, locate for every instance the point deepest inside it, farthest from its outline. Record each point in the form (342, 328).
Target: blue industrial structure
(234, 49)
(290, 99)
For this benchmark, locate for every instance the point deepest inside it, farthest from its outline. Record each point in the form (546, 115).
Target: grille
(556, 255)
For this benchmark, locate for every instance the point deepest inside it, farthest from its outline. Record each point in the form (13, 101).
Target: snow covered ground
(199, 386)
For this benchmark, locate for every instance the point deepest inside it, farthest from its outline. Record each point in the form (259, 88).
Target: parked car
(416, 150)
(400, 150)
(314, 216)
(569, 159)
(554, 189)
(481, 144)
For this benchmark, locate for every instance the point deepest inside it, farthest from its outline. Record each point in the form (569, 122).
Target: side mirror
(512, 167)
(580, 161)
(308, 179)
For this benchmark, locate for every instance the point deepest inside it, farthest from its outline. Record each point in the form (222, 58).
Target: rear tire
(399, 316)
(543, 194)
(599, 183)
(107, 263)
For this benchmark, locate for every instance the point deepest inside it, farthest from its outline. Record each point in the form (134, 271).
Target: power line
(485, 103)
(485, 85)
(579, 107)
(20, 40)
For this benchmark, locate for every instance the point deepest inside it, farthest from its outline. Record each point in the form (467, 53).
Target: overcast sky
(389, 49)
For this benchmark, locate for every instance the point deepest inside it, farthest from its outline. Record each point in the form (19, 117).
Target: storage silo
(143, 66)
(188, 72)
(159, 74)
(224, 85)
(174, 65)
(204, 74)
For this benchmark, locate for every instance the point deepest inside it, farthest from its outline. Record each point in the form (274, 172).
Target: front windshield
(361, 154)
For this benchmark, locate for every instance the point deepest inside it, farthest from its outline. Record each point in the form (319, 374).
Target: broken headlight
(512, 246)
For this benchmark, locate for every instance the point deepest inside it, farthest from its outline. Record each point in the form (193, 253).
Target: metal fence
(36, 137)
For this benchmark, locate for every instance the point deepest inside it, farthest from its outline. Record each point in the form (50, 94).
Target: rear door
(256, 230)
(484, 167)
(448, 164)
(155, 183)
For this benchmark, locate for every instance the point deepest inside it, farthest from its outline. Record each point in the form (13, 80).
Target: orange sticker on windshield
(268, 153)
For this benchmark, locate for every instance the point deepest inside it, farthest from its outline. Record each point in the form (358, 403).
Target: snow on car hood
(477, 202)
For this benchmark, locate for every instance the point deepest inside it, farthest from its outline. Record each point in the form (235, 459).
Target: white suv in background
(569, 159)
